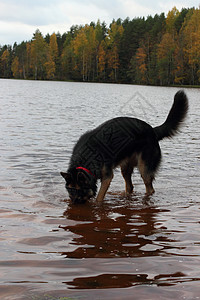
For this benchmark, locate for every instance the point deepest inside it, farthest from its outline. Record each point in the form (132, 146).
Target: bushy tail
(175, 117)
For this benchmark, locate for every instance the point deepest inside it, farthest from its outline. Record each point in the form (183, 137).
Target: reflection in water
(119, 228)
(120, 231)
(124, 280)
(109, 281)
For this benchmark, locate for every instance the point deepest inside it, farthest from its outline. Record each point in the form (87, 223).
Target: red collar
(86, 170)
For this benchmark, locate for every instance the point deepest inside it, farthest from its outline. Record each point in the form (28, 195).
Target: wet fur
(125, 142)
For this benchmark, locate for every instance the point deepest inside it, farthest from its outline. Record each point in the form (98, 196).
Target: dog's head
(80, 185)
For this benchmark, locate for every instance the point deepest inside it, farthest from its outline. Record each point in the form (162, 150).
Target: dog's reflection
(116, 228)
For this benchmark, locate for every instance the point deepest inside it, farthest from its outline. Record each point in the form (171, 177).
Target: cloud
(168, 5)
(15, 32)
(137, 9)
(80, 13)
(13, 11)
(46, 12)
(20, 18)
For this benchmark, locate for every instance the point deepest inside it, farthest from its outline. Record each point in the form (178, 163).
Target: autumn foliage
(159, 50)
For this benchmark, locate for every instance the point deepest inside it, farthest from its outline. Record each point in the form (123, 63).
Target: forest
(158, 50)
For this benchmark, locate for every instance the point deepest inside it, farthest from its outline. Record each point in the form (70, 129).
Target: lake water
(123, 249)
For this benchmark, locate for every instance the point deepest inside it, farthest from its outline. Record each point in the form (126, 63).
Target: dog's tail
(175, 117)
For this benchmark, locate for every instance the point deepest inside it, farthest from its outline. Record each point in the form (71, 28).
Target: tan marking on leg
(147, 178)
(149, 188)
(127, 171)
(103, 189)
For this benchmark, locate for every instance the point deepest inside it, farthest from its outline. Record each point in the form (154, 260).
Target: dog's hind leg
(148, 180)
(105, 183)
(127, 170)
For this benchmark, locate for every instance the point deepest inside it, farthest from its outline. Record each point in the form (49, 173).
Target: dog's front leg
(105, 183)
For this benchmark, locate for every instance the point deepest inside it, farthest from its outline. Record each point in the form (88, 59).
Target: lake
(133, 248)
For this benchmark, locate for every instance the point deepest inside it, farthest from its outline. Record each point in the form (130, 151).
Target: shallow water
(134, 248)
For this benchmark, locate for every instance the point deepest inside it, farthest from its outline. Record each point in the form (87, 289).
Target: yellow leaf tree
(101, 60)
(92, 45)
(191, 32)
(39, 51)
(113, 40)
(53, 47)
(141, 65)
(84, 48)
(171, 19)
(4, 61)
(80, 50)
(52, 57)
(166, 59)
(50, 65)
(15, 67)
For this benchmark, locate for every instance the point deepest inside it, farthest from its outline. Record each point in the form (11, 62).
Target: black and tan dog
(125, 142)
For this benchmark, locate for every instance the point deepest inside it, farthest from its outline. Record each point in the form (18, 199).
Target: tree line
(159, 50)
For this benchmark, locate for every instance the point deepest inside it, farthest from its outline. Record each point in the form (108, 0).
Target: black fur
(125, 142)
(175, 117)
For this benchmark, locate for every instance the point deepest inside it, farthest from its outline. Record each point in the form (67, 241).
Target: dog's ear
(82, 178)
(66, 176)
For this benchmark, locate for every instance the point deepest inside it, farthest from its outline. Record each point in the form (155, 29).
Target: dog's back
(112, 142)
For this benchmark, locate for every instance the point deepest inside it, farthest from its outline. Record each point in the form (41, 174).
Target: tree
(113, 42)
(5, 62)
(92, 46)
(38, 54)
(80, 49)
(84, 47)
(50, 65)
(68, 60)
(167, 47)
(15, 67)
(191, 32)
(101, 60)
(53, 47)
(172, 16)
(133, 34)
(113, 62)
(179, 20)
(19, 53)
(99, 52)
(141, 69)
(153, 50)
(100, 31)
(52, 57)
(166, 65)
(28, 59)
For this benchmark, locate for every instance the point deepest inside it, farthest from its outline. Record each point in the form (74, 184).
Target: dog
(123, 141)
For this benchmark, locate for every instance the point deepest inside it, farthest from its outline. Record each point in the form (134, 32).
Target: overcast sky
(20, 18)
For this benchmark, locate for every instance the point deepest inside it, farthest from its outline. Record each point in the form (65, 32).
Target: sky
(19, 19)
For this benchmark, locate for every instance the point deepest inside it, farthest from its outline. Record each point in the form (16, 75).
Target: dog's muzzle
(79, 195)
